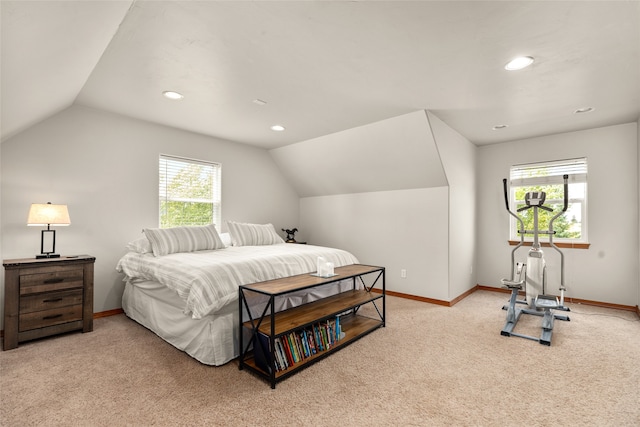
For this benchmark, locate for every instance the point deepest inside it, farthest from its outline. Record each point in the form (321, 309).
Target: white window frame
(169, 164)
(523, 175)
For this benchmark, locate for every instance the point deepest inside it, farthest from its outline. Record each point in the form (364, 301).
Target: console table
(282, 343)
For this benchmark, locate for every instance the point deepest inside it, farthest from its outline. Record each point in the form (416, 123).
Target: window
(189, 192)
(547, 177)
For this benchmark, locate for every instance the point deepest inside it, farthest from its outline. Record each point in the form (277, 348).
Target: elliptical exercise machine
(532, 275)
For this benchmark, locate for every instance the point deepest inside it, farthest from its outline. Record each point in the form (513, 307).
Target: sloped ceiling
(323, 67)
(49, 50)
(393, 154)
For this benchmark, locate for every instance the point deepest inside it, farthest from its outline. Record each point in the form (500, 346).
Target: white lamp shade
(48, 214)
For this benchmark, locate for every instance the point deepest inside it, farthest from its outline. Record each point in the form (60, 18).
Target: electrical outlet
(403, 273)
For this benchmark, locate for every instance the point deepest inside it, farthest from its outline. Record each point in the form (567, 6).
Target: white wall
(105, 167)
(608, 271)
(380, 192)
(389, 201)
(638, 169)
(401, 229)
(459, 158)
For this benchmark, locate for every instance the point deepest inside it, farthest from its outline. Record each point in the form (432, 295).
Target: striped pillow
(140, 245)
(243, 234)
(166, 241)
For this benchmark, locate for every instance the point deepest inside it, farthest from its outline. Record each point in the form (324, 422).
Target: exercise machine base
(545, 302)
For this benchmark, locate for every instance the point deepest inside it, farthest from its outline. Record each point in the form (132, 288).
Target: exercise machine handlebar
(520, 228)
(506, 193)
(548, 209)
(566, 192)
(565, 178)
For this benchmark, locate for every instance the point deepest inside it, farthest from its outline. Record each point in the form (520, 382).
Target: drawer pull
(52, 300)
(55, 280)
(53, 316)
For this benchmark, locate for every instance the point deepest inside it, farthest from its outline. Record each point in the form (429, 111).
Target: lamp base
(40, 256)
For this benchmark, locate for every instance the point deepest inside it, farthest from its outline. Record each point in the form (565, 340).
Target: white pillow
(226, 239)
(243, 234)
(140, 245)
(166, 241)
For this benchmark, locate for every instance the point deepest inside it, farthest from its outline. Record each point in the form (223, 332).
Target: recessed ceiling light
(277, 128)
(584, 110)
(259, 102)
(498, 127)
(172, 95)
(519, 63)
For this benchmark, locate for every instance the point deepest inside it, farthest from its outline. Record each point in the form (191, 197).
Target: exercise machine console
(531, 277)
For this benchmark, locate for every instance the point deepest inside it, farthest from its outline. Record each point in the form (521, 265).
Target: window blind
(189, 192)
(549, 172)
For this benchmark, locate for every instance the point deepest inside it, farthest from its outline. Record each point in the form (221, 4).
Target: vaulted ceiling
(320, 67)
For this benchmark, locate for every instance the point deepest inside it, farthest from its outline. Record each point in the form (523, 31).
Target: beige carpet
(431, 366)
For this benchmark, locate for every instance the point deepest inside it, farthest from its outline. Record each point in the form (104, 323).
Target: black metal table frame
(269, 311)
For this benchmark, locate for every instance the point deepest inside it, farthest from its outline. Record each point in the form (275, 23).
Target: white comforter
(208, 280)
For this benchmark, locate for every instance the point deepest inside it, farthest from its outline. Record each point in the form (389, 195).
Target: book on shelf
(296, 346)
(262, 352)
(287, 350)
(316, 337)
(280, 356)
(299, 346)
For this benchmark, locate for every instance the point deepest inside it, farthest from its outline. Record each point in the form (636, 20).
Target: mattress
(207, 281)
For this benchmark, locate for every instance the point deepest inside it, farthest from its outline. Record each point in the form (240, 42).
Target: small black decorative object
(290, 235)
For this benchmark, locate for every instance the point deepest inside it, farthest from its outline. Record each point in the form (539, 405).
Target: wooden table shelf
(306, 314)
(272, 330)
(357, 327)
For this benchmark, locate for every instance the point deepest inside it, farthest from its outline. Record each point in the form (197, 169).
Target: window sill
(565, 245)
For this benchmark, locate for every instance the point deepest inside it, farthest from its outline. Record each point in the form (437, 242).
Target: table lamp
(47, 214)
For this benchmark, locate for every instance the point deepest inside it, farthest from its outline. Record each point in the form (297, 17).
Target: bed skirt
(212, 340)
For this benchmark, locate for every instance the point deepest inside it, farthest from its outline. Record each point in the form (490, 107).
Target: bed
(182, 283)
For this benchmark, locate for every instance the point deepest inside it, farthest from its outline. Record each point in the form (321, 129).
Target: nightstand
(48, 296)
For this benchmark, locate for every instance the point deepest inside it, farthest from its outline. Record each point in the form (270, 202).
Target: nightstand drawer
(55, 280)
(50, 300)
(55, 316)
